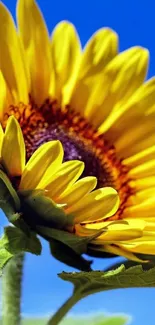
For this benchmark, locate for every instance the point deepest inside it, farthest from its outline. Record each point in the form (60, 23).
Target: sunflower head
(46, 194)
(77, 137)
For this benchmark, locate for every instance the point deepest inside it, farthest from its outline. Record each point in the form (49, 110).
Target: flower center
(74, 148)
(79, 139)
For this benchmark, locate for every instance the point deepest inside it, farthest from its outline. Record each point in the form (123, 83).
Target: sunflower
(95, 105)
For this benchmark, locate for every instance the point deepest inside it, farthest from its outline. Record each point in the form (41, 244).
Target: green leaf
(76, 243)
(15, 241)
(86, 283)
(9, 200)
(66, 255)
(44, 211)
(4, 258)
(112, 320)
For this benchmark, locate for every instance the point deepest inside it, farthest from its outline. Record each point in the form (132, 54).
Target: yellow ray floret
(98, 205)
(13, 148)
(65, 41)
(45, 161)
(35, 41)
(11, 60)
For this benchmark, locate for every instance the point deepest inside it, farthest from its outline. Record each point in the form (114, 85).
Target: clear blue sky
(134, 21)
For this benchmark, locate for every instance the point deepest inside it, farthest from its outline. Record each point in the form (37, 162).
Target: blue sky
(43, 292)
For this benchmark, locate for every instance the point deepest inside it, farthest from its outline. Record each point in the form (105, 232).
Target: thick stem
(11, 290)
(63, 310)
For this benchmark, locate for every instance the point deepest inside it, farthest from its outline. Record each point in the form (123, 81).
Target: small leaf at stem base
(15, 241)
(4, 258)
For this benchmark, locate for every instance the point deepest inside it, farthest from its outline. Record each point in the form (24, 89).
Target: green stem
(11, 290)
(63, 310)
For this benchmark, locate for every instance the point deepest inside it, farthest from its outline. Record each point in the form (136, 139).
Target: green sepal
(27, 193)
(42, 210)
(14, 240)
(97, 253)
(21, 224)
(9, 200)
(86, 283)
(76, 243)
(4, 258)
(66, 255)
(68, 247)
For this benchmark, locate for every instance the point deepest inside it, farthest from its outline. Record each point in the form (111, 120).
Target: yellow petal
(122, 252)
(25, 64)
(148, 235)
(13, 148)
(100, 245)
(143, 247)
(143, 170)
(98, 205)
(34, 36)
(121, 77)
(66, 55)
(141, 157)
(1, 138)
(150, 226)
(145, 141)
(99, 50)
(131, 74)
(65, 177)
(141, 196)
(138, 107)
(11, 61)
(3, 96)
(143, 183)
(142, 210)
(150, 222)
(114, 235)
(119, 231)
(126, 145)
(42, 165)
(118, 224)
(78, 190)
(82, 231)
